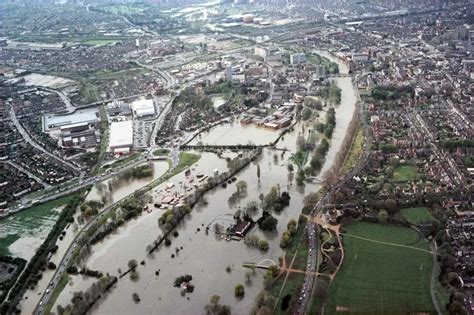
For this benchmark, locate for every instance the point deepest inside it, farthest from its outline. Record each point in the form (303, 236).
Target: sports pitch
(379, 278)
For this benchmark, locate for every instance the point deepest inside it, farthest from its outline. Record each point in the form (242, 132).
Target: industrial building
(121, 137)
(118, 108)
(143, 108)
(89, 116)
(271, 53)
(297, 58)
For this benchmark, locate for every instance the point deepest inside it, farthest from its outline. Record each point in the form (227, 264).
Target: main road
(308, 285)
(174, 154)
(28, 139)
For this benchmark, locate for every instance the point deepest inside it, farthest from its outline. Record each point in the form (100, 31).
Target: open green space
(34, 222)
(416, 215)
(403, 173)
(95, 42)
(115, 75)
(161, 152)
(186, 159)
(378, 278)
(123, 9)
(301, 258)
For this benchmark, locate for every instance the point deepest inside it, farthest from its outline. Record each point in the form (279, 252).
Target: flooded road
(203, 256)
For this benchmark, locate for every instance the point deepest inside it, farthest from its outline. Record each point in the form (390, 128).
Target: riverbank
(209, 274)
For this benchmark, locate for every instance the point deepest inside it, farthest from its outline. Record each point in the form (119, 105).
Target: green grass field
(416, 215)
(378, 278)
(403, 173)
(35, 222)
(160, 152)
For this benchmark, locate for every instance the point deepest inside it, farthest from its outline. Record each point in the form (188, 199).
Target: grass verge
(355, 152)
(54, 296)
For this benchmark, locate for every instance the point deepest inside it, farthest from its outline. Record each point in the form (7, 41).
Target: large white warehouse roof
(143, 107)
(121, 134)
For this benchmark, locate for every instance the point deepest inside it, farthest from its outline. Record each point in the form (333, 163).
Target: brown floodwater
(205, 257)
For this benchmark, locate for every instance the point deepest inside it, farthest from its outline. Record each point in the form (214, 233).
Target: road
(31, 175)
(28, 139)
(311, 269)
(64, 191)
(70, 250)
(70, 108)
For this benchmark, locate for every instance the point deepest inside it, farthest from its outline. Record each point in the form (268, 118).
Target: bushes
(391, 92)
(182, 279)
(239, 291)
(287, 236)
(6, 284)
(267, 222)
(263, 245)
(51, 265)
(331, 92)
(83, 301)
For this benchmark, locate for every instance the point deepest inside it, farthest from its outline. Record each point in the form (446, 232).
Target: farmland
(386, 269)
(29, 228)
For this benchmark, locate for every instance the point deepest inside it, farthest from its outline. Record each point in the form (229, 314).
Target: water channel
(205, 257)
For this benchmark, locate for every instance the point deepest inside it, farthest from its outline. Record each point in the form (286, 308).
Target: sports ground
(416, 215)
(386, 270)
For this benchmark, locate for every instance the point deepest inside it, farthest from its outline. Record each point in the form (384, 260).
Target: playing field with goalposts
(379, 277)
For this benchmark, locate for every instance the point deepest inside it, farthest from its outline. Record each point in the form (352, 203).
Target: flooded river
(205, 257)
(235, 133)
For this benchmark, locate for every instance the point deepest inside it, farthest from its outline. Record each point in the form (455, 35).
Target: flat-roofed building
(142, 108)
(88, 116)
(121, 136)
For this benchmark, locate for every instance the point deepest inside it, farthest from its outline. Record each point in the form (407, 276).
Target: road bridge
(222, 147)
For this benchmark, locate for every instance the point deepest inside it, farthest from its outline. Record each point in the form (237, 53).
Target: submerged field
(27, 229)
(379, 277)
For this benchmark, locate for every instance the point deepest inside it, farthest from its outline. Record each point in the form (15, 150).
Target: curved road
(70, 250)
